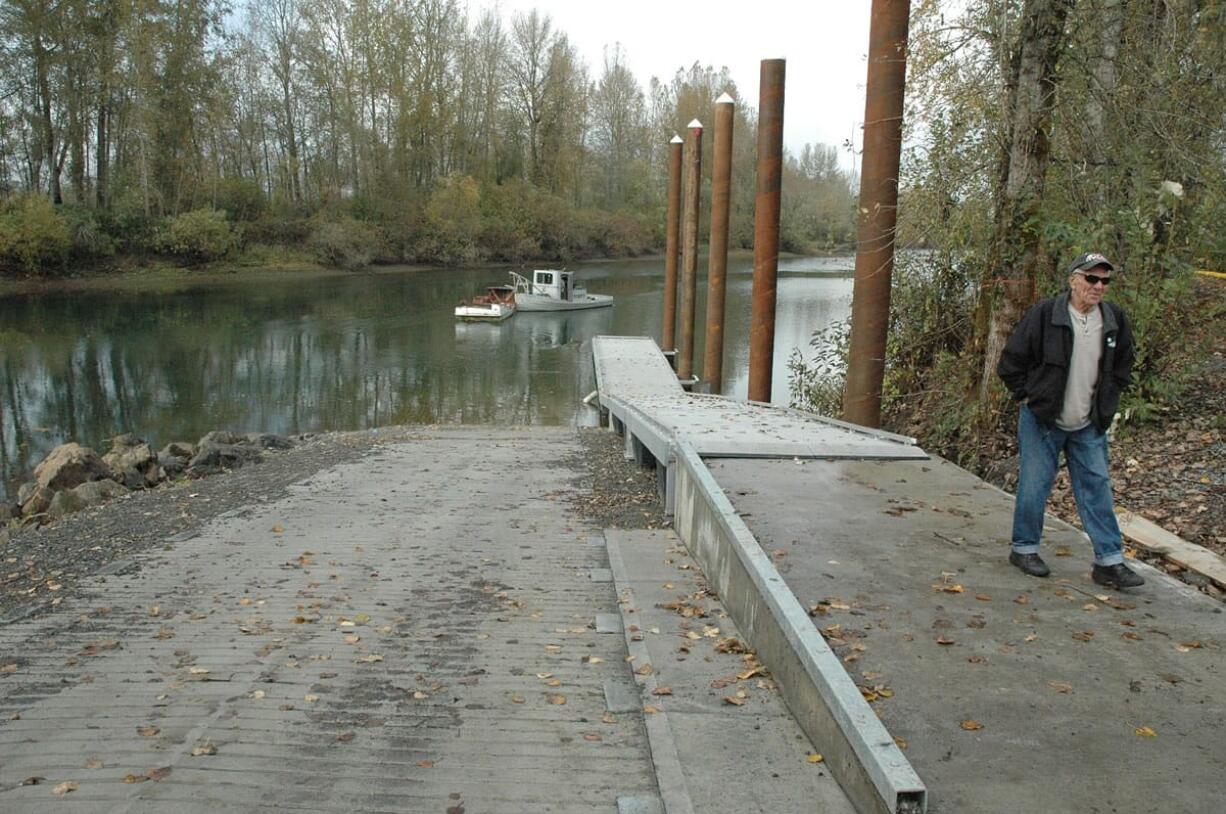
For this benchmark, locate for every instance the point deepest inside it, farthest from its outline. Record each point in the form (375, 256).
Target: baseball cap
(1089, 260)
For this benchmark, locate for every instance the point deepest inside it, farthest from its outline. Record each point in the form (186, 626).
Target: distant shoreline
(169, 278)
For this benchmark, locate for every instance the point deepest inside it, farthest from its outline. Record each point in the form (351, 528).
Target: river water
(344, 352)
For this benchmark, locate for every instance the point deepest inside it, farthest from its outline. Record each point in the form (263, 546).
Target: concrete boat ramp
(872, 580)
(437, 627)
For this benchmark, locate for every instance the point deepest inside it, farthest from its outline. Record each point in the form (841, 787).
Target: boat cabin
(556, 285)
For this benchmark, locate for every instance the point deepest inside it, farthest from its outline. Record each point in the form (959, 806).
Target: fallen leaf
(134, 778)
(592, 737)
(543, 676)
(971, 725)
(592, 660)
(345, 737)
(426, 764)
(361, 618)
(554, 682)
(93, 763)
(815, 757)
(948, 587)
(1084, 636)
(1022, 599)
(352, 638)
(8, 668)
(645, 670)
(944, 640)
(371, 659)
(1060, 686)
(734, 700)
(650, 710)
(557, 699)
(1186, 647)
(159, 774)
(662, 691)
(1131, 636)
(310, 698)
(418, 695)
(199, 671)
(204, 749)
(1063, 551)
(1032, 637)
(1145, 732)
(608, 718)
(983, 597)
(900, 742)
(64, 788)
(147, 731)
(32, 781)
(278, 528)
(517, 699)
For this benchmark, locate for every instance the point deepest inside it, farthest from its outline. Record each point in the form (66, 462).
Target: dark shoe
(1031, 564)
(1116, 576)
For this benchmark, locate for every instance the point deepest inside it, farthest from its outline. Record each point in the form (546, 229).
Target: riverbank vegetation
(1038, 130)
(398, 131)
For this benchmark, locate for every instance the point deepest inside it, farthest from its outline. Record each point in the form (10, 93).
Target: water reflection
(342, 352)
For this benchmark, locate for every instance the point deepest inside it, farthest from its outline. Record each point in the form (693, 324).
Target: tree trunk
(1016, 259)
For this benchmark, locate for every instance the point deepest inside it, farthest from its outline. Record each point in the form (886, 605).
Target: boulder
(133, 462)
(99, 491)
(25, 491)
(70, 465)
(179, 449)
(219, 437)
(38, 502)
(212, 458)
(268, 440)
(174, 458)
(65, 503)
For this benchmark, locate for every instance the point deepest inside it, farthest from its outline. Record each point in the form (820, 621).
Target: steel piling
(870, 305)
(672, 235)
(689, 250)
(717, 263)
(766, 229)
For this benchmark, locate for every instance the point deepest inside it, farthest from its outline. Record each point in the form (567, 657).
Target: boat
(551, 290)
(495, 305)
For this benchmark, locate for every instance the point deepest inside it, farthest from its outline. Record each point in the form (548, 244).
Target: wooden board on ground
(1152, 537)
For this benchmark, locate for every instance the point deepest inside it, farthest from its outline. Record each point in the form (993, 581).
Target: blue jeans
(1086, 451)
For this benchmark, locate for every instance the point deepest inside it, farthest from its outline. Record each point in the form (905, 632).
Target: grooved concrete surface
(413, 632)
(746, 755)
(1013, 694)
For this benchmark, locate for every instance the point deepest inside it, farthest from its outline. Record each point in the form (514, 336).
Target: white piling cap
(676, 139)
(695, 124)
(725, 99)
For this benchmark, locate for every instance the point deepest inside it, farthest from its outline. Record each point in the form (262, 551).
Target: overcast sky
(825, 43)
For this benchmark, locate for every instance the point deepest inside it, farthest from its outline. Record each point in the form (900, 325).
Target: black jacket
(1034, 364)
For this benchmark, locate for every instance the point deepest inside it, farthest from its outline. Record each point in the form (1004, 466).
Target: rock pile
(73, 477)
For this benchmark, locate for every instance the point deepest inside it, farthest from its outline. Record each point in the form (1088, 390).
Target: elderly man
(1066, 362)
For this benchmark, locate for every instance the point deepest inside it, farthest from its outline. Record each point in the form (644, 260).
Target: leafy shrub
(34, 238)
(199, 236)
(89, 237)
(345, 243)
(241, 199)
(452, 223)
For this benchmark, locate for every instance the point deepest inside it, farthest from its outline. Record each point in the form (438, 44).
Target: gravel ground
(38, 566)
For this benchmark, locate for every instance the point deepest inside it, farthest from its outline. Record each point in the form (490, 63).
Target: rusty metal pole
(671, 244)
(689, 250)
(717, 264)
(766, 229)
(870, 304)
